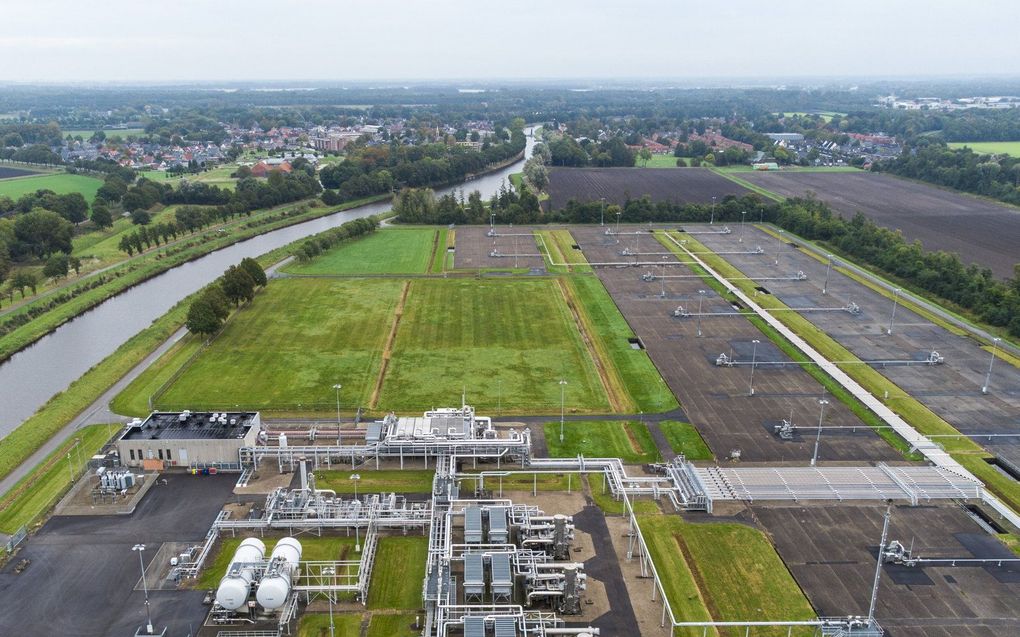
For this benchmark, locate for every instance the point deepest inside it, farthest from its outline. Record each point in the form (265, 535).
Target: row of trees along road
(238, 284)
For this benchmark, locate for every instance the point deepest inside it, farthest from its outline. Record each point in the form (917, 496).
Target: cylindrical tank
(234, 587)
(283, 441)
(275, 586)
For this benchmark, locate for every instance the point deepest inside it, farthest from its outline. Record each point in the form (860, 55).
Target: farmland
(696, 185)
(8, 172)
(978, 230)
(59, 183)
(991, 148)
(390, 251)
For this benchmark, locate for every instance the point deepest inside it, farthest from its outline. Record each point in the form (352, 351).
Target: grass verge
(383, 481)
(630, 441)
(317, 625)
(398, 573)
(683, 437)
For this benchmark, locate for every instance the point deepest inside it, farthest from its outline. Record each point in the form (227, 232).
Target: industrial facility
(188, 439)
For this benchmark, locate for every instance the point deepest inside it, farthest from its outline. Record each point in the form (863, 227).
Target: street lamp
(618, 214)
(148, 616)
(828, 268)
(331, 571)
(743, 214)
(701, 297)
(896, 297)
(602, 214)
(492, 223)
(988, 376)
(711, 220)
(779, 250)
(357, 529)
(337, 388)
(818, 438)
(754, 357)
(563, 387)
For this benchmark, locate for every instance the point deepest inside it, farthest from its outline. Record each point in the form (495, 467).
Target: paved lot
(978, 230)
(831, 552)
(952, 390)
(83, 571)
(473, 248)
(716, 398)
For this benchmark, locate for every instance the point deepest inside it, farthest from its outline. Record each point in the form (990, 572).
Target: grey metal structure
(473, 525)
(474, 577)
(498, 533)
(502, 582)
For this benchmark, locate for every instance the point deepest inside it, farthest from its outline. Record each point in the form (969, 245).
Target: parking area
(952, 389)
(83, 572)
(831, 551)
(717, 399)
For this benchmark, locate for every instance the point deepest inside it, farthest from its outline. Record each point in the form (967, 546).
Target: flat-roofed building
(188, 439)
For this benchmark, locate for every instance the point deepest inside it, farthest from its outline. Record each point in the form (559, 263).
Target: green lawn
(49, 485)
(660, 161)
(286, 350)
(398, 573)
(389, 251)
(134, 399)
(517, 181)
(384, 481)
(312, 549)
(393, 626)
(730, 572)
(86, 133)
(684, 438)
(638, 375)
(317, 625)
(215, 176)
(60, 183)
(527, 482)
(629, 441)
(500, 341)
(991, 148)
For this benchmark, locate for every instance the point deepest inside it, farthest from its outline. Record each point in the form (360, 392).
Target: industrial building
(188, 439)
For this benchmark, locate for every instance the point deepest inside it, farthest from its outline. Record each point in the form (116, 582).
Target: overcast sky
(208, 40)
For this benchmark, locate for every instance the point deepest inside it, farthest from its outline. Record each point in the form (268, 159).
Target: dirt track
(977, 230)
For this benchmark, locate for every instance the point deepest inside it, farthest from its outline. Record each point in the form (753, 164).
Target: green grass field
(629, 441)
(393, 626)
(312, 549)
(991, 148)
(729, 572)
(59, 183)
(390, 251)
(49, 485)
(527, 482)
(215, 176)
(497, 340)
(660, 161)
(286, 350)
(86, 133)
(407, 480)
(317, 625)
(684, 438)
(398, 572)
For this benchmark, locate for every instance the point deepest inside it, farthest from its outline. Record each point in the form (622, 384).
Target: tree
(74, 208)
(22, 280)
(140, 217)
(56, 266)
(238, 285)
(75, 264)
(43, 232)
(203, 317)
(127, 244)
(254, 270)
(101, 216)
(645, 156)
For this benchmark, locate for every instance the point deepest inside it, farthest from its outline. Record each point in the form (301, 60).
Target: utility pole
(878, 564)
(145, 587)
(711, 220)
(754, 356)
(818, 438)
(828, 268)
(988, 376)
(896, 297)
(743, 214)
(779, 250)
(701, 298)
(662, 277)
(602, 214)
(337, 387)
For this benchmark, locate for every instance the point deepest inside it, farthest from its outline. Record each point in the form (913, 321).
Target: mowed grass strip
(389, 251)
(728, 571)
(684, 438)
(317, 625)
(393, 626)
(287, 349)
(612, 333)
(48, 482)
(371, 481)
(398, 573)
(500, 341)
(133, 400)
(630, 441)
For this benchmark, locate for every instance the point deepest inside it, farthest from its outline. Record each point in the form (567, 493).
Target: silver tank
(235, 586)
(275, 586)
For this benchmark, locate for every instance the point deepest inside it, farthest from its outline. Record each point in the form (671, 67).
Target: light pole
(662, 277)
(331, 571)
(988, 376)
(828, 268)
(701, 297)
(779, 250)
(337, 387)
(148, 616)
(818, 438)
(711, 220)
(896, 297)
(754, 357)
(492, 223)
(602, 213)
(618, 214)
(563, 387)
(70, 468)
(357, 530)
(743, 214)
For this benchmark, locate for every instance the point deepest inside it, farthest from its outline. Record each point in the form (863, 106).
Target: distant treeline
(996, 176)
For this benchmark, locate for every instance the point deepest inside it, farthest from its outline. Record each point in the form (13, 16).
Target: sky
(357, 40)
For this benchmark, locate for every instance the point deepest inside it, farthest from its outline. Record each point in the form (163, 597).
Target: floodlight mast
(743, 214)
(878, 564)
(754, 357)
(828, 268)
(139, 548)
(991, 362)
(338, 387)
(711, 220)
(892, 315)
(563, 386)
(818, 437)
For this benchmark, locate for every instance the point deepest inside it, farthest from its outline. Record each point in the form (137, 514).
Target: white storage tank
(283, 441)
(235, 586)
(275, 586)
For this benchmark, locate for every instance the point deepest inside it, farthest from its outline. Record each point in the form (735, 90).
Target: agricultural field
(290, 346)
(9, 172)
(490, 339)
(723, 571)
(630, 441)
(697, 185)
(389, 251)
(981, 231)
(990, 148)
(60, 183)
